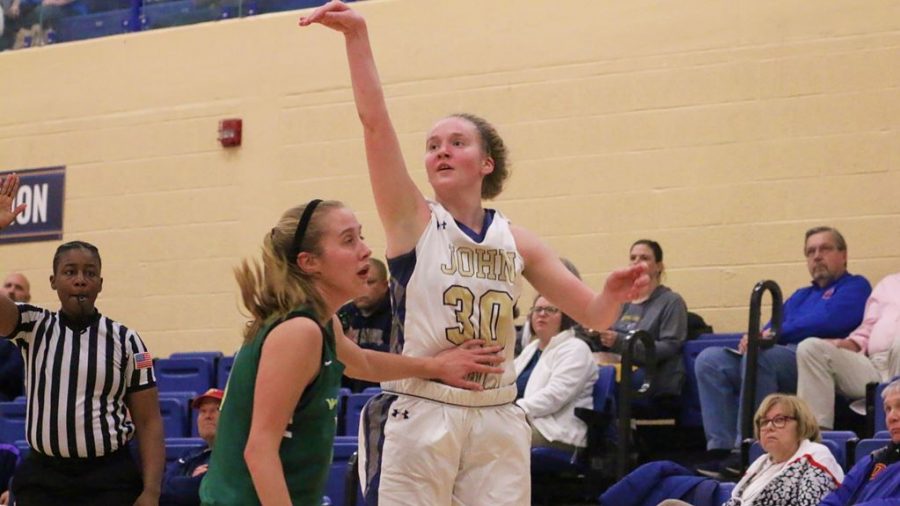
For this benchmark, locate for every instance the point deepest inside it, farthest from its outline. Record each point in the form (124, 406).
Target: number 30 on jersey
(495, 316)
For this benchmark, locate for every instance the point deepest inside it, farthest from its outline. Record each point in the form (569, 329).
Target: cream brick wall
(721, 129)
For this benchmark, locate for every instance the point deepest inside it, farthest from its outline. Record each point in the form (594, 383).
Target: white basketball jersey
(453, 288)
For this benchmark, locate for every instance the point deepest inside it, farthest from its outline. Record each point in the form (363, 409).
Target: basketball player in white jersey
(456, 272)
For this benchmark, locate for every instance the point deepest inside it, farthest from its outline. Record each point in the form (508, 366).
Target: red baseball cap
(212, 393)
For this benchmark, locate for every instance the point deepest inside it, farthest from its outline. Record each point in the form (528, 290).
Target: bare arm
(289, 362)
(144, 408)
(551, 279)
(401, 206)
(451, 366)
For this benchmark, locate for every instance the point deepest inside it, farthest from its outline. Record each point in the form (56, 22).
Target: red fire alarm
(230, 132)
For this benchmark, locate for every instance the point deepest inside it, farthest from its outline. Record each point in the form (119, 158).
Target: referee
(90, 389)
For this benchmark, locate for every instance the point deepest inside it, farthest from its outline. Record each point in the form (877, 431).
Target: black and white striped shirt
(76, 381)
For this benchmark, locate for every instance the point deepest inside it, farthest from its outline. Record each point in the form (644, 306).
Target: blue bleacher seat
(552, 461)
(841, 438)
(880, 423)
(882, 434)
(721, 336)
(175, 417)
(372, 390)
(182, 12)
(690, 400)
(211, 356)
(93, 25)
(344, 448)
(867, 446)
(355, 403)
(343, 393)
(12, 421)
(223, 369)
(177, 446)
(184, 374)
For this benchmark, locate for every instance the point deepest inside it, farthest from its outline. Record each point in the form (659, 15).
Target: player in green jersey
(279, 412)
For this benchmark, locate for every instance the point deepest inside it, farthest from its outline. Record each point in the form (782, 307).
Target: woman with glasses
(555, 374)
(796, 469)
(663, 314)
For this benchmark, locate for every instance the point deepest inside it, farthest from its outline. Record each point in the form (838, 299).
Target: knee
(811, 349)
(709, 361)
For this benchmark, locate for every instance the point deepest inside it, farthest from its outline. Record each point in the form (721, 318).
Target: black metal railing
(627, 393)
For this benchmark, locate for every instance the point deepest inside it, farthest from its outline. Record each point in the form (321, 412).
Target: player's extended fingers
(10, 185)
(472, 344)
(319, 14)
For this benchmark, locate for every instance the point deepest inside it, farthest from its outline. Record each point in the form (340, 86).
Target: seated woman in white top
(555, 374)
(795, 470)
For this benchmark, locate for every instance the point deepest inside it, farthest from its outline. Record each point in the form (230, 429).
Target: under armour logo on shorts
(397, 412)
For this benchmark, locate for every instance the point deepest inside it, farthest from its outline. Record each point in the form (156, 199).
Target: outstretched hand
(337, 16)
(627, 284)
(455, 364)
(8, 191)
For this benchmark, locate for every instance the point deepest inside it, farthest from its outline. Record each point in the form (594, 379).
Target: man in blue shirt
(181, 483)
(831, 307)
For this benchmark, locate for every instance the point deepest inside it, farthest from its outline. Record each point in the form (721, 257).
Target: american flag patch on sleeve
(143, 360)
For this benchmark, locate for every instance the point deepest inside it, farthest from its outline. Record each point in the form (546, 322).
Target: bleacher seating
(880, 423)
(177, 446)
(355, 404)
(867, 446)
(210, 356)
(12, 421)
(223, 370)
(548, 465)
(90, 26)
(344, 448)
(175, 417)
(690, 400)
(184, 374)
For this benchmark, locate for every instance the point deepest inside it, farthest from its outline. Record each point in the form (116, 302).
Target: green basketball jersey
(306, 446)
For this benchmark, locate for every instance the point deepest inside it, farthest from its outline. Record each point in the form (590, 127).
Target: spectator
(524, 335)
(796, 469)
(555, 374)
(663, 314)
(367, 320)
(17, 287)
(831, 307)
(35, 18)
(181, 483)
(12, 367)
(870, 354)
(875, 480)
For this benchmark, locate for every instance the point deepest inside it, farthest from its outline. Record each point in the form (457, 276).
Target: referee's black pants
(112, 480)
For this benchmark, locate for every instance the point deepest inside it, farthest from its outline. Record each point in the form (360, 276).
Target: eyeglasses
(548, 310)
(778, 422)
(823, 249)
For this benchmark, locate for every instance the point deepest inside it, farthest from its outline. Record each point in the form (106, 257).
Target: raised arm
(451, 366)
(9, 313)
(550, 278)
(401, 206)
